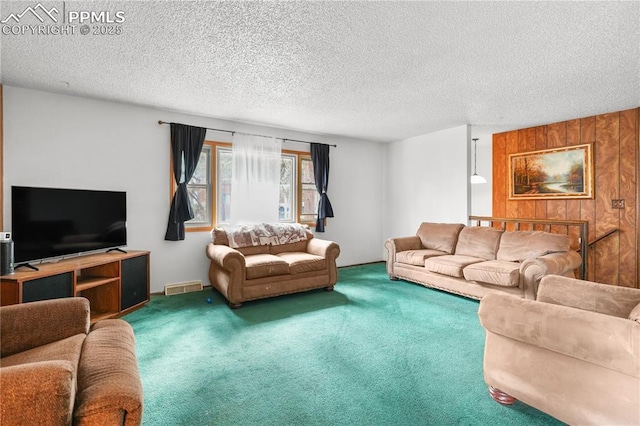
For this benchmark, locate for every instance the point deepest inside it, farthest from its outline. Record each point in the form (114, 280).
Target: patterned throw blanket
(265, 234)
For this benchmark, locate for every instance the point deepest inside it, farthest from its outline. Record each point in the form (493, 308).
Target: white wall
(481, 202)
(426, 179)
(481, 194)
(63, 141)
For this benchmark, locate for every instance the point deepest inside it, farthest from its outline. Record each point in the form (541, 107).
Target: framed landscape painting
(565, 172)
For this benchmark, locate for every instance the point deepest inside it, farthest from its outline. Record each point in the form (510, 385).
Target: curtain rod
(253, 134)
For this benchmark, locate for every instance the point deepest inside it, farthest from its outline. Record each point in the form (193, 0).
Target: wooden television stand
(115, 283)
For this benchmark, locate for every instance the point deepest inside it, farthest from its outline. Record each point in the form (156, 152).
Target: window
(199, 190)
(210, 188)
(287, 202)
(309, 197)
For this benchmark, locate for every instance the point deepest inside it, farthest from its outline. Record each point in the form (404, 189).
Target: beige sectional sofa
(474, 260)
(266, 260)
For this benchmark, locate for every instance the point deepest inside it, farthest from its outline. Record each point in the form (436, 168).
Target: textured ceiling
(380, 71)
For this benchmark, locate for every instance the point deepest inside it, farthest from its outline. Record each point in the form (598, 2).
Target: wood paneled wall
(616, 146)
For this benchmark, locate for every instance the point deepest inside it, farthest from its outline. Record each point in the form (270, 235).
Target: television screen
(53, 222)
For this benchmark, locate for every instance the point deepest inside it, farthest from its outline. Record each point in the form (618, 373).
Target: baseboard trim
(362, 264)
(161, 293)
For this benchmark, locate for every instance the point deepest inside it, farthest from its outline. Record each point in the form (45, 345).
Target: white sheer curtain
(255, 181)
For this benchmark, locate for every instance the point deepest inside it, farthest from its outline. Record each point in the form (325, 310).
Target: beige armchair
(573, 353)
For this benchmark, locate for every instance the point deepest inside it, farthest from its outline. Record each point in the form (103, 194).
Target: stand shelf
(115, 283)
(85, 283)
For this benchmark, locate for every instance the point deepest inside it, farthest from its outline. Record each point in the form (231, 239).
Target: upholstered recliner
(573, 353)
(58, 369)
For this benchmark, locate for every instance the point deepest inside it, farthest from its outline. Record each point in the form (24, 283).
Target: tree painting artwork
(565, 172)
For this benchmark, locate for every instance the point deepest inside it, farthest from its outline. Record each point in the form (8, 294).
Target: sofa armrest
(29, 325)
(225, 257)
(398, 244)
(330, 250)
(604, 340)
(38, 393)
(323, 248)
(403, 243)
(109, 385)
(588, 296)
(559, 263)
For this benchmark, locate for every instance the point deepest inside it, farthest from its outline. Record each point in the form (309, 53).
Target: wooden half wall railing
(545, 224)
(602, 237)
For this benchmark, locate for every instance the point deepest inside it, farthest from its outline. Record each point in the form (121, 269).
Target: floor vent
(180, 288)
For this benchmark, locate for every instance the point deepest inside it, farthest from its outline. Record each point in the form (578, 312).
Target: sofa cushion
(300, 246)
(479, 241)
(450, 264)
(28, 325)
(251, 250)
(439, 236)
(61, 350)
(596, 297)
(498, 272)
(300, 262)
(417, 257)
(517, 246)
(265, 265)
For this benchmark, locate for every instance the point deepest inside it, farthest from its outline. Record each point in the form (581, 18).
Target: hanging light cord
(475, 156)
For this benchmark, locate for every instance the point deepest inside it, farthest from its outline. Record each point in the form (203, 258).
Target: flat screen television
(54, 222)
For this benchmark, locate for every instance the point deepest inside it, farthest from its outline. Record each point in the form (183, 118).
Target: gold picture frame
(557, 173)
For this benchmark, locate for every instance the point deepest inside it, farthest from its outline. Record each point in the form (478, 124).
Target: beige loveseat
(573, 353)
(57, 369)
(474, 260)
(266, 260)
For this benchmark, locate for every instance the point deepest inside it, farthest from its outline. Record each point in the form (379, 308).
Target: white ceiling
(379, 71)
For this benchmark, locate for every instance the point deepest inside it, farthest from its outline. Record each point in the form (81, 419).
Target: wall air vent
(180, 288)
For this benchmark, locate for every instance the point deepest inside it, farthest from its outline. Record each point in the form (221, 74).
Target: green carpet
(372, 352)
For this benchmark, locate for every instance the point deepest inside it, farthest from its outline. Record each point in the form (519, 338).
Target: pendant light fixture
(475, 177)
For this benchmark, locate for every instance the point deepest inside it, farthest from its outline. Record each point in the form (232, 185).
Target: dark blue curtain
(186, 144)
(320, 159)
